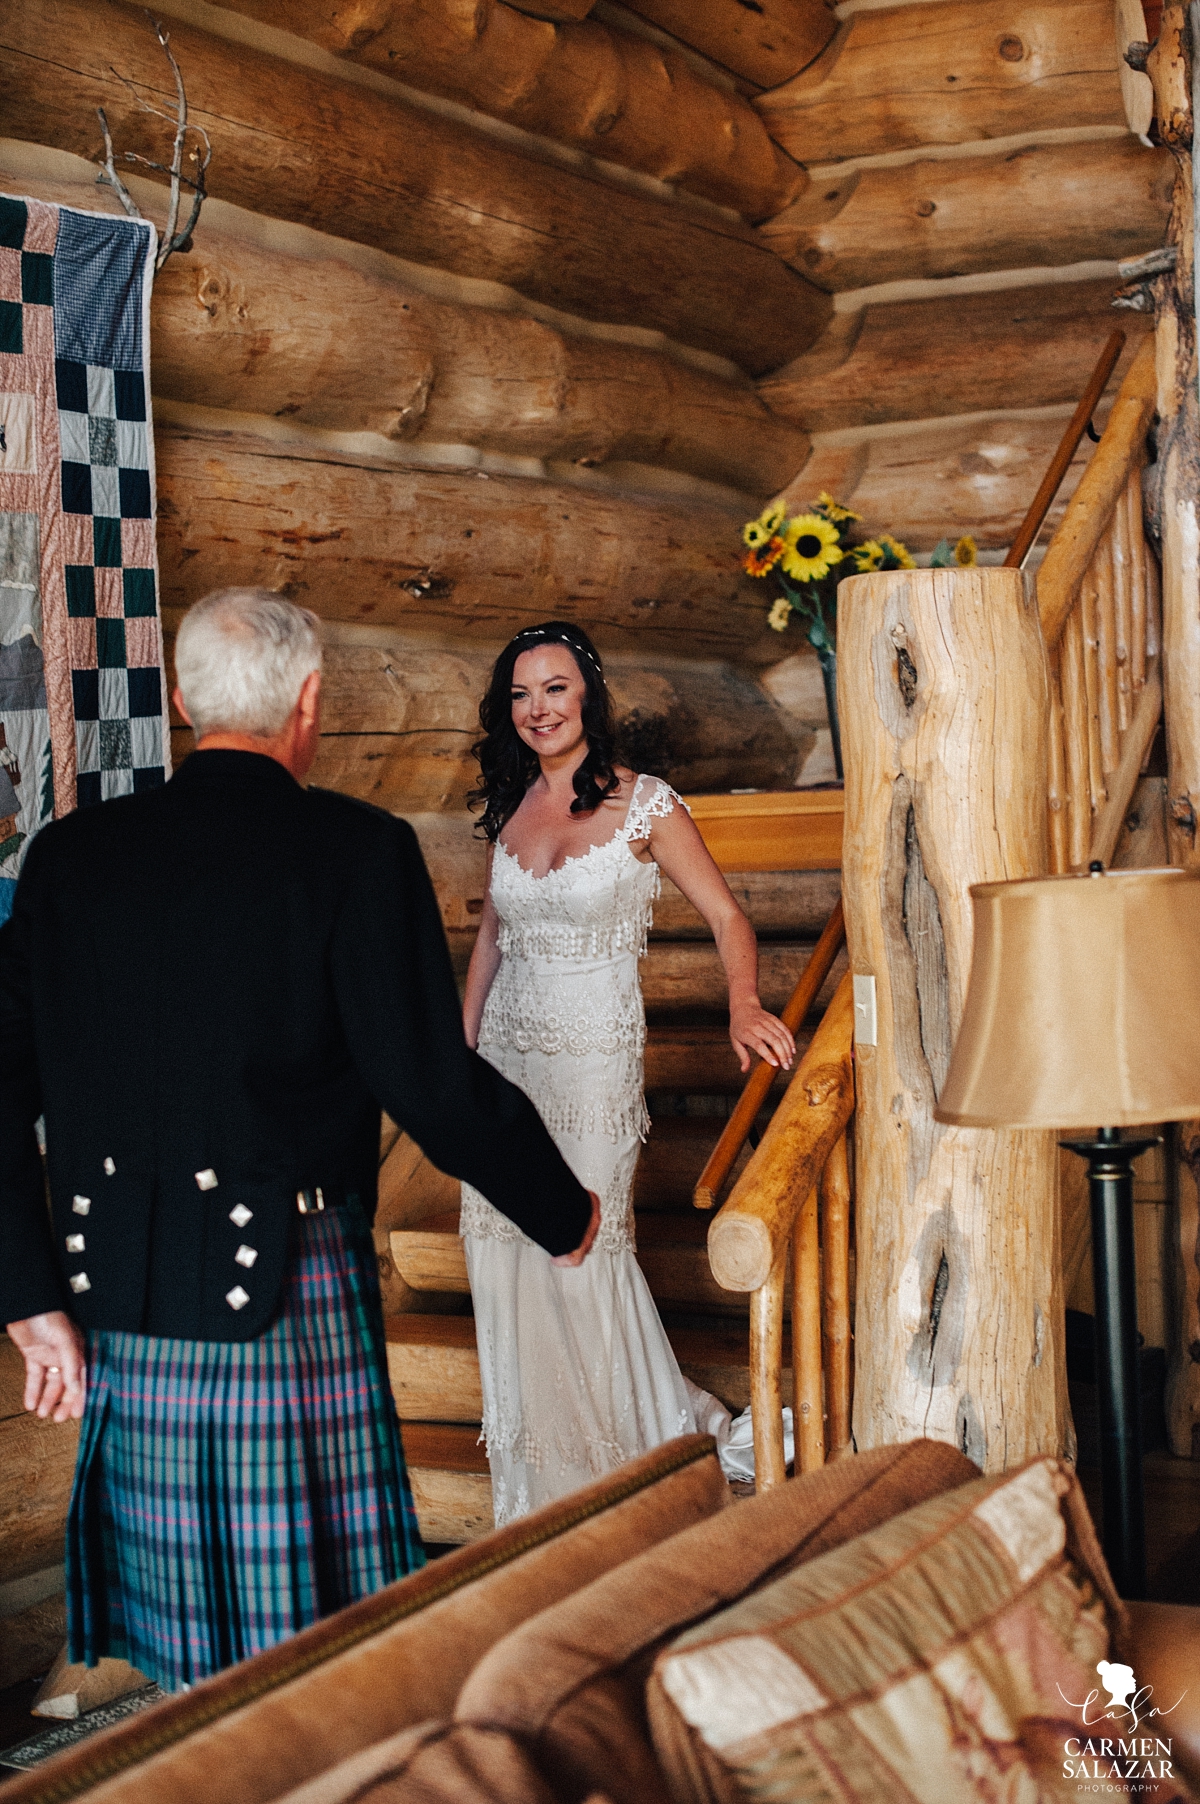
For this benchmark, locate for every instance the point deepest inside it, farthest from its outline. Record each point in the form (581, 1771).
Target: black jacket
(230, 975)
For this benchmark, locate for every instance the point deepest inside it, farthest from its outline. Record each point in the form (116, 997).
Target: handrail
(736, 1130)
(753, 1227)
(1091, 507)
(776, 1197)
(1060, 463)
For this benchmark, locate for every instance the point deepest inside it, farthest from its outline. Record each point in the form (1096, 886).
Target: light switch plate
(864, 1012)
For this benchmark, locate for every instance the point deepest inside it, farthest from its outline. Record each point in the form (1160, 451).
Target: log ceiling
(466, 340)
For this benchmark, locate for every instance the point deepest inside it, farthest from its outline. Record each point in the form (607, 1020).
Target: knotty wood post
(1171, 489)
(943, 691)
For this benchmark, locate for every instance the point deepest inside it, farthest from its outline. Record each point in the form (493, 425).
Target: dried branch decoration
(172, 239)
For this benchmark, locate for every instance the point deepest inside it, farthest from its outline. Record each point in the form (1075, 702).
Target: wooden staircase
(692, 1079)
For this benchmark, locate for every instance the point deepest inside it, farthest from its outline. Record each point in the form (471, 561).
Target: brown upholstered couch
(515, 1669)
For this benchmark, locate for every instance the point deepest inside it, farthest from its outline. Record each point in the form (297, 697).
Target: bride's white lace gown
(578, 1374)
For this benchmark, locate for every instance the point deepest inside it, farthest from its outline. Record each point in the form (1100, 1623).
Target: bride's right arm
(485, 962)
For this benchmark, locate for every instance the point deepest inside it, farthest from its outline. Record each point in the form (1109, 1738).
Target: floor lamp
(1083, 1006)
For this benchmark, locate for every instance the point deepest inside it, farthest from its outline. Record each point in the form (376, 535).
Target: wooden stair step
(672, 1160)
(434, 1366)
(451, 1484)
(699, 1061)
(672, 1252)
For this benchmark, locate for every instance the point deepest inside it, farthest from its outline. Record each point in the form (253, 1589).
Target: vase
(828, 663)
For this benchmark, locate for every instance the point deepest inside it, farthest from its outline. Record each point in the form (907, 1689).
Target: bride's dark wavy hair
(507, 766)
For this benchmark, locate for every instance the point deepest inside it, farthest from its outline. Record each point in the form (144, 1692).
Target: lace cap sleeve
(652, 799)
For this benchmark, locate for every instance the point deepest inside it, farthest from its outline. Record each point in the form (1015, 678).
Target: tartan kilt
(228, 1493)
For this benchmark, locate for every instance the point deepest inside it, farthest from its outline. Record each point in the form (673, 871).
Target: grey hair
(241, 658)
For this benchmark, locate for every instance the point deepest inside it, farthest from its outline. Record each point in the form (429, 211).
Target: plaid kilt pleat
(227, 1493)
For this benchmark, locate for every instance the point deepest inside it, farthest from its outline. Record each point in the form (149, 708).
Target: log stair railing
(1098, 597)
(789, 1215)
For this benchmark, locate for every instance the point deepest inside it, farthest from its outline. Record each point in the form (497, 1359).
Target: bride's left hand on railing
(753, 1030)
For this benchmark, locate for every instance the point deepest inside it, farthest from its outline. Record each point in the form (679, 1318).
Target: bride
(578, 1374)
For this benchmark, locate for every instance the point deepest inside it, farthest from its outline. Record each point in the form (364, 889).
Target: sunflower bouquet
(811, 553)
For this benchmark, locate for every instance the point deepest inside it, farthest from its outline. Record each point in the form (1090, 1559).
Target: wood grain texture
(601, 91)
(37, 1465)
(807, 1387)
(943, 686)
(1043, 204)
(965, 70)
(325, 345)
(753, 1228)
(446, 552)
(940, 479)
(309, 338)
(837, 1348)
(741, 1122)
(766, 1387)
(766, 43)
(1013, 348)
(800, 830)
(300, 145)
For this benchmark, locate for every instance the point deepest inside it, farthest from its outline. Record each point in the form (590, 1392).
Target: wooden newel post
(943, 696)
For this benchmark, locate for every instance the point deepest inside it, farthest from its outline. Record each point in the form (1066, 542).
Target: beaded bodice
(564, 1016)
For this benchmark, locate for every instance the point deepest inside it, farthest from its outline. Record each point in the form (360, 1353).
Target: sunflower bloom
(868, 555)
(899, 556)
(754, 534)
(759, 560)
(966, 552)
(780, 614)
(811, 548)
(834, 510)
(773, 517)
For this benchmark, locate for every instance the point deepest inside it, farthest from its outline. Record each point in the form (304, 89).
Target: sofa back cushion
(435, 1763)
(571, 1680)
(946, 1656)
(395, 1659)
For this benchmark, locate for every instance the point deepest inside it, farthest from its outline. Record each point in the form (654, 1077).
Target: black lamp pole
(1110, 1183)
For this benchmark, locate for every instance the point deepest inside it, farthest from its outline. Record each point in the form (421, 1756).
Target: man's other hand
(585, 1246)
(55, 1373)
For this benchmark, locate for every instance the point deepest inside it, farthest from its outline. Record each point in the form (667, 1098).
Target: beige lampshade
(1083, 1006)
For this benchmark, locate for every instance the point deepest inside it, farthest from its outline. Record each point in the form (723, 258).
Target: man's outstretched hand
(55, 1373)
(585, 1246)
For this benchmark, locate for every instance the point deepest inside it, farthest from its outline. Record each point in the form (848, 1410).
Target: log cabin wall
(501, 310)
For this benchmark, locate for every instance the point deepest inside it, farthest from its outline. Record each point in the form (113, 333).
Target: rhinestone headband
(539, 632)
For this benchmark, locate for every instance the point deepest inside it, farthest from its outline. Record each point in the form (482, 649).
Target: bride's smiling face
(548, 693)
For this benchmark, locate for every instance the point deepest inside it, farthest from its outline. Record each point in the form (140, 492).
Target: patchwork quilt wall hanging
(82, 690)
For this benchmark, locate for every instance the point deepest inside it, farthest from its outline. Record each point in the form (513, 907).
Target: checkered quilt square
(82, 691)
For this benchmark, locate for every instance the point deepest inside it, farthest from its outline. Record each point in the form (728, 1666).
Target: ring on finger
(54, 1369)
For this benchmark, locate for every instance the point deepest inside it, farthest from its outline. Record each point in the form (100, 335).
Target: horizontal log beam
(1011, 348)
(942, 478)
(329, 346)
(766, 43)
(493, 381)
(686, 981)
(950, 74)
(1044, 204)
(601, 91)
(299, 145)
(399, 717)
(697, 1061)
(448, 552)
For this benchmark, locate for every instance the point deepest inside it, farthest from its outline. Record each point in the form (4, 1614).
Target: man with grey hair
(210, 991)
